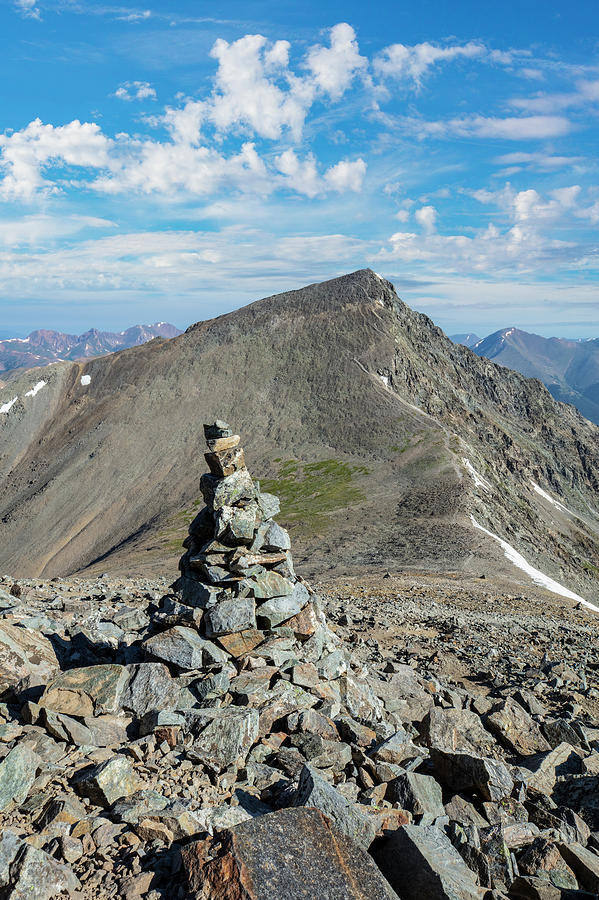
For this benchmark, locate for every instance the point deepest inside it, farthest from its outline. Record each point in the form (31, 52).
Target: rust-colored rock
(242, 642)
(292, 854)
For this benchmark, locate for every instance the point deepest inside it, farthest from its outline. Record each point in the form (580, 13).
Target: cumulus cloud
(248, 92)
(346, 175)
(412, 63)
(334, 68)
(135, 90)
(26, 154)
(521, 241)
(427, 217)
(255, 96)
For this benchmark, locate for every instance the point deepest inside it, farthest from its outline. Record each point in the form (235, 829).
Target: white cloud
(246, 90)
(427, 218)
(300, 175)
(28, 8)
(402, 215)
(511, 128)
(135, 90)
(137, 16)
(525, 243)
(346, 175)
(334, 68)
(585, 95)
(43, 229)
(544, 162)
(26, 153)
(412, 63)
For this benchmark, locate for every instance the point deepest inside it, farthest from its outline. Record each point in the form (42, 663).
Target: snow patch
(385, 380)
(479, 481)
(380, 302)
(36, 388)
(6, 406)
(85, 380)
(546, 496)
(507, 333)
(15, 340)
(538, 577)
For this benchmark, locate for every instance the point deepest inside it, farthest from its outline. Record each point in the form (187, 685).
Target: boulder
(516, 729)
(183, 647)
(109, 781)
(150, 686)
(228, 738)
(421, 862)
(465, 772)
(313, 790)
(230, 616)
(87, 691)
(293, 854)
(25, 655)
(419, 794)
(17, 773)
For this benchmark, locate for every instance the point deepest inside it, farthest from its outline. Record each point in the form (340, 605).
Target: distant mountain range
(43, 347)
(568, 368)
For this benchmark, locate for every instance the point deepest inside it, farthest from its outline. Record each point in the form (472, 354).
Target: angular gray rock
(420, 862)
(314, 790)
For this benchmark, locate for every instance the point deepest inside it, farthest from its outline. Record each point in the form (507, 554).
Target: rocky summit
(389, 446)
(239, 735)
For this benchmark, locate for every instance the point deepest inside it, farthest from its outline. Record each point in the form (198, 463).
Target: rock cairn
(238, 567)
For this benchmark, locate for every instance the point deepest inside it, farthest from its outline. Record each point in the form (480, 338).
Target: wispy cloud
(28, 8)
(135, 90)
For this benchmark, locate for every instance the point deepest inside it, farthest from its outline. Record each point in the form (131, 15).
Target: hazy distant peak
(44, 346)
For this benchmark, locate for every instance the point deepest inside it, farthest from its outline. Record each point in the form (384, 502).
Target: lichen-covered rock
(109, 781)
(86, 691)
(293, 854)
(17, 773)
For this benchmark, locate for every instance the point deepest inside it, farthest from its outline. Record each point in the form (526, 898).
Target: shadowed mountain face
(43, 347)
(381, 436)
(569, 369)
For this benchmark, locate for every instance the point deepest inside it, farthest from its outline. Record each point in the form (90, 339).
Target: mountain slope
(43, 347)
(569, 369)
(382, 437)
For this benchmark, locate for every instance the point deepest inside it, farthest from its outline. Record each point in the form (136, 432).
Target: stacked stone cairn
(238, 567)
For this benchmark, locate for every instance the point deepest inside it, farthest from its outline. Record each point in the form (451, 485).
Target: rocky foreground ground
(237, 735)
(465, 759)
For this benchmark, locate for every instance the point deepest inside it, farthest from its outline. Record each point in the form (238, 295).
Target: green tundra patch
(310, 492)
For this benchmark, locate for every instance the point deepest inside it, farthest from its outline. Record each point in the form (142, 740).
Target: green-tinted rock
(230, 616)
(227, 739)
(270, 584)
(17, 774)
(109, 781)
(279, 609)
(86, 691)
(184, 648)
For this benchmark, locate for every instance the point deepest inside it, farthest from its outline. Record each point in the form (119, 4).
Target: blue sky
(174, 160)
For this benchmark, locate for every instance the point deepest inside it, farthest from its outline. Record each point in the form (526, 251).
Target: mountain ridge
(358, 411)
